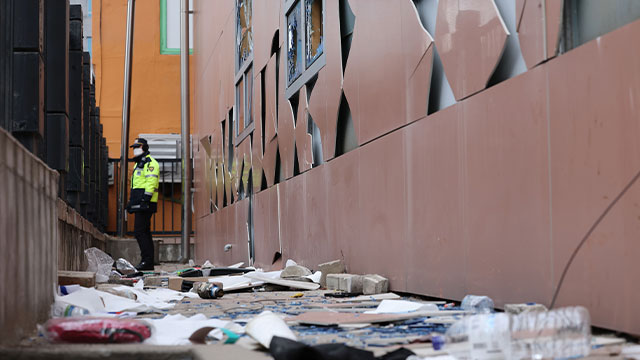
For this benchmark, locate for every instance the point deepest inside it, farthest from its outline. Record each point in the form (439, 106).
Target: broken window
(240, 106)
(314, 36)
(248, 92)
(244, 96)
(244, 36)
(294, 44)
(304, 42)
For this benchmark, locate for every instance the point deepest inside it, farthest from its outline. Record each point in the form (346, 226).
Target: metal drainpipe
(126, 110)
(185, 138)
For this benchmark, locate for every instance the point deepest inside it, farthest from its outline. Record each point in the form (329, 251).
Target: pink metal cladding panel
(292, 219)
(470, 37)
(436, 247)
(506, 206)
(257, 151)
(324, 101)
(377, 90)
(266, 227)
(381, 217)
(594, 153)
(219, 168)
(271, 139)
(539, 18)
(286, 125)
(554, 10)
(302, 137)
(343, 205)
(227, 226)
(265, 22)
(207, 31)
(417, 50)
(519, 10)
(242, 159)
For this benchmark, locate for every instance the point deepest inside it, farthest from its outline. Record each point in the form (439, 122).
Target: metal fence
(167, 220)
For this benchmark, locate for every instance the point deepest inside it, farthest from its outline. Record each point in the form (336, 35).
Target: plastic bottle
(60, 309)
(209, 290)
(560, 333)
(477, 304)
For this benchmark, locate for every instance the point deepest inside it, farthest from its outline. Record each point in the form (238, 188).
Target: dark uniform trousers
(142, 232)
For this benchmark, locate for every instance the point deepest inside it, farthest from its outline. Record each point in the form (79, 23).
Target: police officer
(143, 199)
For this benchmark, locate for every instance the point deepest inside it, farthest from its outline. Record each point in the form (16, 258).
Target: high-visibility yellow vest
(146, 176)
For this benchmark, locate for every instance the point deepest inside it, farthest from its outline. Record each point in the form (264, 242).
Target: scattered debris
(374, 284)
(285, 312)
(477, 304)
(96, 330)
(267, 325)
(516, 309)
(124, 267)
(209, 290)
(295, 271)
(331, 267)
(282, 282)
(560, 333)
(99, 263)
(402, 306)
(83, 278)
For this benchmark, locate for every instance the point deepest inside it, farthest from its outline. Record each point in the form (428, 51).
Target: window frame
(241, 76)
(241, 68)
(164, 48)
(308, 72)
(248, 129)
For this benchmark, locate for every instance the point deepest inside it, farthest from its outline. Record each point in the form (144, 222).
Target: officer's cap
(139, 142)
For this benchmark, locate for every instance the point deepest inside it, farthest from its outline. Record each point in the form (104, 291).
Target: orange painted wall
(155, 84)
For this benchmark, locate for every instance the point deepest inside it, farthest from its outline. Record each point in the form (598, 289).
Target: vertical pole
(185, 138)
(126, 110)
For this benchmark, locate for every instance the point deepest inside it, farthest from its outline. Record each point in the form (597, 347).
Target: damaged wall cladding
(453, 149)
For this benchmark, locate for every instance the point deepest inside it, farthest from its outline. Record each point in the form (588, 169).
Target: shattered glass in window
(294, 44)
(244, 36)
(248, 81)
(314, 36)
(240, 106)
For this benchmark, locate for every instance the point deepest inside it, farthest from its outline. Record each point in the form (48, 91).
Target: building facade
(155, 90)
(452, 146)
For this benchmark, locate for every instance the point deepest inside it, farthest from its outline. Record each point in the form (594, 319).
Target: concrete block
(351, 283)
(345, 282)
(295, 271)
(374, 284)
(156, 281)
(331, 267)
(333, 282)
(82, 278)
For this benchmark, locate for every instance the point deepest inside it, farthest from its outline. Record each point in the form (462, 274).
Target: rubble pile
(297, 313)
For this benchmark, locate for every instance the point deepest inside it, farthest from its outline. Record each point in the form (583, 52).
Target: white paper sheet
(267, 325)
(98, 302)
(401, 306)
(315, 277)
(176, 329)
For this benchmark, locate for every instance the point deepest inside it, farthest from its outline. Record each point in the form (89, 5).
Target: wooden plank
(282, 282)
(82, 278)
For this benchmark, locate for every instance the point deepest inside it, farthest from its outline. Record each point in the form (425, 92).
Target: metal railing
(167, 220)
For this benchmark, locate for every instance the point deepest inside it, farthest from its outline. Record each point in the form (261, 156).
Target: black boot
(145, 265)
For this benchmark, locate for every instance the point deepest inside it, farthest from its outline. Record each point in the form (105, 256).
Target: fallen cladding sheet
(327, 318)
(288, 283)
